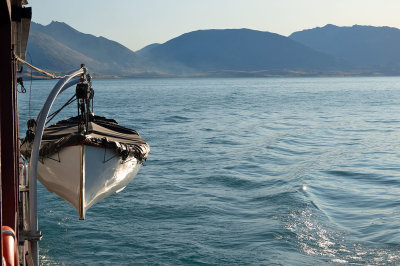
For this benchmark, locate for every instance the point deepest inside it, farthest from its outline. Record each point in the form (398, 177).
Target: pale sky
(137, 23)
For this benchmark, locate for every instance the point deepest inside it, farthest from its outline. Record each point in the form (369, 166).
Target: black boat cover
(102, 132)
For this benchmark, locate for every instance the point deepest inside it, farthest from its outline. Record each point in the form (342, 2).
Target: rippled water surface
(241, 171)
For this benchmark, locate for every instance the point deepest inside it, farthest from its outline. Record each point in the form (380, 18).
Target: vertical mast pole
(9, 120)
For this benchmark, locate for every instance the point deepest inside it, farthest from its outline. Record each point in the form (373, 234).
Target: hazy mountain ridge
(329, 50)
(366, 47)
(240, 50)
(147, 49)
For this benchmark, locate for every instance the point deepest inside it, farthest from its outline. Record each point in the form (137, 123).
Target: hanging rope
(38, 69)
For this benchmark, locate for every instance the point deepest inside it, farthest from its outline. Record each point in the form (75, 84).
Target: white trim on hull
(83, 175)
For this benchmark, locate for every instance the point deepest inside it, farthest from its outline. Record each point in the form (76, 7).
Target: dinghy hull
(83, 174)
(85, 168)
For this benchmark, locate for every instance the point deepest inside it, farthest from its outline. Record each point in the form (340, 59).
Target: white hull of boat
(83, 175)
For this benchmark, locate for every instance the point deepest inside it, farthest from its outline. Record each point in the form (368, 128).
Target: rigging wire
(53, 76)
(51, 116)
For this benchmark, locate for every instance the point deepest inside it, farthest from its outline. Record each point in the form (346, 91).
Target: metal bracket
(30, 236)
(23, 188)
(19, 13)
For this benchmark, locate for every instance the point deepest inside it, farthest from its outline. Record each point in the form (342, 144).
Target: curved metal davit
(61, 85)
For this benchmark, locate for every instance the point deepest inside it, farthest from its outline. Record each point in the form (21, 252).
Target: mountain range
(328, 50)
(366, 47)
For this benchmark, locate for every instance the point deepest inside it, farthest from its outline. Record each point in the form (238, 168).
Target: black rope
(58, 154)
(21, 83)
(59, 110)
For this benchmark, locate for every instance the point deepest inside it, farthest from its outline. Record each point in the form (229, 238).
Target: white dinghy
(86, 158)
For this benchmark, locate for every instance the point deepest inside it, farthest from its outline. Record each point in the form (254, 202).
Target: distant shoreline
(232, 74)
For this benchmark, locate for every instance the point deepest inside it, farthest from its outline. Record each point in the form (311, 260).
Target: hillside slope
(59, 47)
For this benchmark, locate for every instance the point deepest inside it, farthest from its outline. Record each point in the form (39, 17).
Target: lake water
(285, 171)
